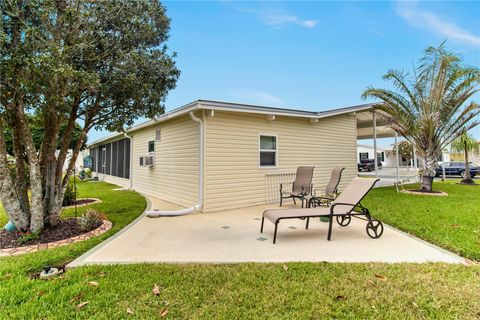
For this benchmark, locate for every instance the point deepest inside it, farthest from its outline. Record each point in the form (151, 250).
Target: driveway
(233, 236)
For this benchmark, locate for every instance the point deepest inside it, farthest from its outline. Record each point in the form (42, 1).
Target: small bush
(70, 195)
(85, 174)
(90, 219)
(27, 237)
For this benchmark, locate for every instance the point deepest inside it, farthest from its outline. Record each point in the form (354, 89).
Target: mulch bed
(425, 192)
(65, 229)
(81, 201)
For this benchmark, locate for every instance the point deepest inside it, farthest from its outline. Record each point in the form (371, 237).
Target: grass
(241, 291)
(452, 222)
(249, 291)
(121, 207)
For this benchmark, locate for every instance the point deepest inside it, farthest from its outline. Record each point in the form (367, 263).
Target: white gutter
(157, 213)
(131, 160)
(236, 107)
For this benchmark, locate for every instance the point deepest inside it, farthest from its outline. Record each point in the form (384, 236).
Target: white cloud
(429, 21)
(278, 18)
(378, 33)
(257, 97)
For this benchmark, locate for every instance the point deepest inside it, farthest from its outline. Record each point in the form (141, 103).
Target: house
(220, 155)
(460, 156)
(386, 157)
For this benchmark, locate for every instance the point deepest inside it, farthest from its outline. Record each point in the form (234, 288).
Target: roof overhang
(365, 125)
(242, 108)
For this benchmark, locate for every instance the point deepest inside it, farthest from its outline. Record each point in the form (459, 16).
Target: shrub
(27, 237)
(85, 174)
(90, 219)
(70, 195)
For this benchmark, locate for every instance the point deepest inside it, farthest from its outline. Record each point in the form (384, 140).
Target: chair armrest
(284, 183)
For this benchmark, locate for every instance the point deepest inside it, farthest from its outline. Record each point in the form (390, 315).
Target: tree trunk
(427, 169)
(60, 187)
(427, 183)
(36, 220)
(8, 196)
(467, 179)
(20, 171)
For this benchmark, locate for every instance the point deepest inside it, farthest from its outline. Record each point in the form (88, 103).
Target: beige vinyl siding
(233, 176)
(175, 175)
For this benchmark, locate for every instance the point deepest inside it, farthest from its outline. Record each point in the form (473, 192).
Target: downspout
(131, 160)
(199, 205)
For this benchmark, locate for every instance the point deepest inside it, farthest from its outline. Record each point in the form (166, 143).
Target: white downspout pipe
(375, 156)
(156, 213)
(397, 160)
(130, 182)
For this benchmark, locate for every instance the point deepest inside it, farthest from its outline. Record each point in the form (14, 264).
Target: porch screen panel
(100, 159)
(114, 158)
(92, 155)
(109, 157)
(127, 159)
(97, 160)
(121, 158)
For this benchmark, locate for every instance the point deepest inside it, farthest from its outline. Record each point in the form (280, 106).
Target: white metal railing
(272, 184)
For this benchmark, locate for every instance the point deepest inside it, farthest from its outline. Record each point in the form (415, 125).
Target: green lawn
(452, 222)
(243, 291)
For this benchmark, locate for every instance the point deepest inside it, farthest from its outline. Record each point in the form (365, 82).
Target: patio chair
(301, 187)
(330, 192)
(343, 208)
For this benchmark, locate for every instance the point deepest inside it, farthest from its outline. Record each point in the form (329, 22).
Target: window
(363, 155)
(380, 156)
(268, 151)
(151, 146)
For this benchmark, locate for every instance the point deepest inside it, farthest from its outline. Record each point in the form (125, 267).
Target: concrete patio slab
(234, 236)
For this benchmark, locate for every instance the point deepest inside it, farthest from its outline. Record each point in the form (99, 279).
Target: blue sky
(307, 55)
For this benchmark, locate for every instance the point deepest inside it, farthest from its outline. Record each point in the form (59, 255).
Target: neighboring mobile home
(224, 155)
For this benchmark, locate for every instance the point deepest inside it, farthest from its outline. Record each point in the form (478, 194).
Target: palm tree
(432, 107)
(467, 144)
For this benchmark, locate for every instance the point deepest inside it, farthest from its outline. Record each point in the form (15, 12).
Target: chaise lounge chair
(331, 190)
(344, 207)
(301, 187)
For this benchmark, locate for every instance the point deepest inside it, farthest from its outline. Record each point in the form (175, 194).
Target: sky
(307, 55)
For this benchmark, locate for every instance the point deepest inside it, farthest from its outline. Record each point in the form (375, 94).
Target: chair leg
(294, 202)
(308, 221)
(330, 222)
(302, 200)
(281, 199)
(261, 227)
(275, 233)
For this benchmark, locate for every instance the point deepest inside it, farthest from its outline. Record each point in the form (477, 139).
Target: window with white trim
(151, 146)
(268, 151)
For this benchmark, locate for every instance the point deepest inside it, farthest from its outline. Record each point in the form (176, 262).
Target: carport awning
(366, 125)
(372, 124)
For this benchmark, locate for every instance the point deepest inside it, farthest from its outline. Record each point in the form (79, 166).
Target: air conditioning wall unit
(147, 161)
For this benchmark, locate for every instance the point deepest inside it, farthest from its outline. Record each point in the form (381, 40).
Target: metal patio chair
(301, 187)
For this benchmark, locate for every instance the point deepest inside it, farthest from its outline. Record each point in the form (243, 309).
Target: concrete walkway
(233, 236)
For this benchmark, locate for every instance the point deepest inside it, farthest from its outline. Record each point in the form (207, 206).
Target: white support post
(396, 157)
(443, 167)
(375, 156)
